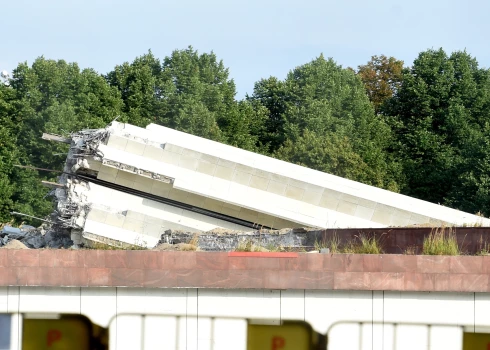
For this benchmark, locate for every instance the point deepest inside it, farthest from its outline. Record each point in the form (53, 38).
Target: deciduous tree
(441, 114)
(382, 77)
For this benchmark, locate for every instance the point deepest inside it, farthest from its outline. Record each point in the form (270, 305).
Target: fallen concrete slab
(130, 185)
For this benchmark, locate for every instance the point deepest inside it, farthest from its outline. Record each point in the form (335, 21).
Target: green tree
(49, 96)
(7, 152)
(190, 77)
(20, 190)
(330, 153)
(440, 115)
(192, 116)
(331, 103)
(271, 93)
(141, 87)
(57, 97)
(190, 92)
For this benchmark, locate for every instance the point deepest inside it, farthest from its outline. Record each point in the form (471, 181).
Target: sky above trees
(256, 39)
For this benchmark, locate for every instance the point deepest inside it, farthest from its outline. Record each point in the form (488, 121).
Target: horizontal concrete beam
(52, 184)
(57, 138)
(154, 269)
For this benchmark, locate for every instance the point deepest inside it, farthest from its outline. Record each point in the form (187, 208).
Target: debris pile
(233, 240)
(34, 238)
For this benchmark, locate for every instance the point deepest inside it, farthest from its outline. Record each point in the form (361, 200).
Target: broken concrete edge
(57, 138)
(71, 206)
(155, 269)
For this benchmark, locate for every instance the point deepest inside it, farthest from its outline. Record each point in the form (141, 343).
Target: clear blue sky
(255, 38)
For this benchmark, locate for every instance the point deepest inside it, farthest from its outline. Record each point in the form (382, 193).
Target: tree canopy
(320, 104)
(422, 130)
(440, 118)
(382, 77)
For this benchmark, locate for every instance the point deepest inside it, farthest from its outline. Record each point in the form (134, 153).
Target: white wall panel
(50, 299)
(99, 303)
(323, 308)
(4, 299)
(292, 304)
(320, 308)
(244, 303)
(432, 307)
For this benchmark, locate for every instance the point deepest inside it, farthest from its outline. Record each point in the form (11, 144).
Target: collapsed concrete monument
(130, 184)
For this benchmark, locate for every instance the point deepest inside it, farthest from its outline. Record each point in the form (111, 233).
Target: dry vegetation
(364, 244)
(441, 241)
(484, 247)
(360, 244)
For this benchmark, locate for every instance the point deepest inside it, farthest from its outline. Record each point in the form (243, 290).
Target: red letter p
(278, 343)
(53, 336)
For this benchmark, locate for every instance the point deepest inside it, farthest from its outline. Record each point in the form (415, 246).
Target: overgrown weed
(332, 243)
(248, 246)
(441, 242)
(484, 247)
(363, 244)
(411, 250)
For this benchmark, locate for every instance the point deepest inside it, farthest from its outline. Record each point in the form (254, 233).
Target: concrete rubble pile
(31, 237)
(264, 240)
(124, 185)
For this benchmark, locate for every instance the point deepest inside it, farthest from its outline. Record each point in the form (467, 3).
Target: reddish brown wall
(397, 240)
(243, 270)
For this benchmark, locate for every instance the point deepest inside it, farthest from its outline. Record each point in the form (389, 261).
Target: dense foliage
(422, 130)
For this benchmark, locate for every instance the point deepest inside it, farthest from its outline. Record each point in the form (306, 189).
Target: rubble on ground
(15, 244)
(175, 240)
(179, 247)
(32, 237)
(231, 240)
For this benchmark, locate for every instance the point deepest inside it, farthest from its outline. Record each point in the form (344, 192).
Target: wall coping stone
(230, 270)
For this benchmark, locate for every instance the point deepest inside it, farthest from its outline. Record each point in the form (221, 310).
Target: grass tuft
(440, 242)
(249, 246)
(195, 240)
(411, 250)
(332, 243)
(246, 246)
(484, 247)
(363, 244)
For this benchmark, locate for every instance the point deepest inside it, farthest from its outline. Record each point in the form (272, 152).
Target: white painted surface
(204, 174)
(265, 185)
(322, 309)
(134, 220)
(304, 174)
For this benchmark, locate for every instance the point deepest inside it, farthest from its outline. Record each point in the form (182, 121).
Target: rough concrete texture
(286, 238)
(14, 244)
(35, 237)
(392, 240)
